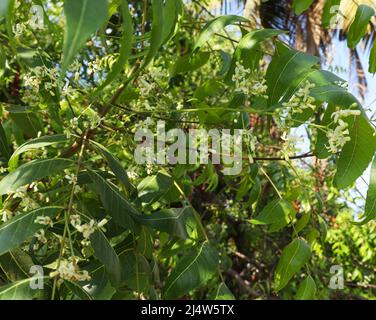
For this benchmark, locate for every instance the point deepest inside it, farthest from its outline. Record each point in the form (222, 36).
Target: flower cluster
(247, 82)
(301, 99)
(87, 229)
(69, 270)
(338, 136)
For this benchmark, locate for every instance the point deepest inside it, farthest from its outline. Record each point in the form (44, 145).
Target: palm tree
(306, 31)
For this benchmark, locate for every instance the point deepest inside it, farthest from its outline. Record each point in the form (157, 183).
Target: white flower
(69, 270)
(343, 114)
(44, 220)
(301, 99)
(338, 137)
(40, 235)
(5, 215)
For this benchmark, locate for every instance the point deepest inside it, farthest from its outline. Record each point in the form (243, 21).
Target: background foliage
(76, 86)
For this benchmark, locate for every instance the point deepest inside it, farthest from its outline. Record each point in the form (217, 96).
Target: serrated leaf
(114, 202)
(83, 18)
(370, 207)
(34, 144)
(105, 253)
(276, 211)
(214, 26)
(32, 171)
(172, 221)
(283, 69)
(299, 6)
(192, 270)
(357, 153)
(22, 226)
(307, 289)
(358, 27)
(294, 257)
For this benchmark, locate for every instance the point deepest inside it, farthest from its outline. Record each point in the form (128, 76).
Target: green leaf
(126, 46)
(370, 207)
(214, 26)
(276, 211)
(104, 252)
(223, 293)
(32, 171)
(22, 226)
(299, 6)
(21, 290)
(372, 59)
(34, 144)
(172, 221)
(172, 11)
(75, 288)
(358, 27)
(153, 188)
(189, 63)
(3, 7)
(285, 68)
(4, 146)
(83, 18)
(99, 287)
(248, 49)
(16, 264)
(192, 270)
(356, 153)
(116, 167)
(114, 202)
(156, 32)
(135, 271)
(329, 11)
(26, 120)
(294, 257)
(307, 289)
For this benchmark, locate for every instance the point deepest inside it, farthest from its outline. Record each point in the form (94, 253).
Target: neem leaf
(370, 207)
(32, 171)
(214, 26)
(294, 257)
(299, 6)
(192, 270)
(22, 226)
(126, 46)
(33, 144)
(83, 18)
(307, 289)
(358, 27)
(357, 153)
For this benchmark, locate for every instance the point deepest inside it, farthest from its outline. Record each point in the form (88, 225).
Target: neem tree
(79, 77)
